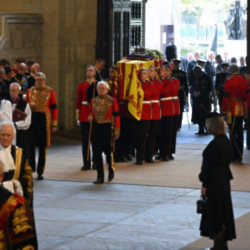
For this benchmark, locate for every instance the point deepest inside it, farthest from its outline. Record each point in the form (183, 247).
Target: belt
(146, 102)
(238, 99)
(85, 103)
(155, 101)
(169, 98)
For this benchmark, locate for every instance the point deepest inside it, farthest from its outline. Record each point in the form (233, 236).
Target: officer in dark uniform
(220, 81)
(3, 88)
(201, 96)
(20, 77)
(106, 129)
(99, 66)
(183, 91)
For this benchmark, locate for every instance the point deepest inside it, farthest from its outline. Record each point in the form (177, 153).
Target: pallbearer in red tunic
(170, 109)
(82, 114)
(141, 127)
(106, 129)
(156, 114)
(42, 101)
(235, 106)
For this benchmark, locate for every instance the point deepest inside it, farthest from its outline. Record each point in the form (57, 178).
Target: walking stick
(188, 119)
(90, 130)
(233, 139)
(112, 142)
(90, 125)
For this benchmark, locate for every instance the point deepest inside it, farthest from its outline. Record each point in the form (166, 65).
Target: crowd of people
(206, 84)
(28, 115)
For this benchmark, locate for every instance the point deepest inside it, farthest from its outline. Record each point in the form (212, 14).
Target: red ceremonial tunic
(81, 102)
(123, 109)
(103, 109)
(155, 102)
(234, 99)
(43, 100)
(148, 89)
(248, 99)
(169, 97)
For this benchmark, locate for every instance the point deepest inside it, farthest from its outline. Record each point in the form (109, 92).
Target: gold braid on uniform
(2, 240)
(28, 177)
(19, 154)
(21, 221)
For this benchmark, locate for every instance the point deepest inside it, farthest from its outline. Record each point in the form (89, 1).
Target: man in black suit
(210, 70)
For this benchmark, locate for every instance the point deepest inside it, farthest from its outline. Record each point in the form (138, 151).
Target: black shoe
(119, 159)
(165, 158)
(158, 157)
(138, 162)
(171, 157)
(94, 167)
(98, 181)
(85, 168)
(199, 133)
(40, 177)
(128, 157)
(149, 160)
(111, 176)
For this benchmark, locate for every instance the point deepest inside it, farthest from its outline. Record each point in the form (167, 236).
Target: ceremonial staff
(91, 123)
(112, 142)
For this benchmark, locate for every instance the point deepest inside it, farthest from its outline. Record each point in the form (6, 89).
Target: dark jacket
(210, 69)
(202, 101)
(215, 176)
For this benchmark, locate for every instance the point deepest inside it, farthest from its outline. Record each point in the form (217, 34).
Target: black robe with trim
(17, 228)
(215, 176)
(25, 175)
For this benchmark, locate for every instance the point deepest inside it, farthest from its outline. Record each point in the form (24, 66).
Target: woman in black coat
(218, 222)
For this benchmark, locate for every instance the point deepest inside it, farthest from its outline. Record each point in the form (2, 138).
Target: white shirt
(25, 124)
(6, 158)
(13, 186)
(5, 111)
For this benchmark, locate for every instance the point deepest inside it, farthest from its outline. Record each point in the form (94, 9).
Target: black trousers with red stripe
(168, 135)
(139, 133)
(85, 141)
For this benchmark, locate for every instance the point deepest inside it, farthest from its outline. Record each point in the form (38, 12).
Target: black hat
(7, 69)
(201, 61)
(177, 61)
(166, 63)
(224, 64)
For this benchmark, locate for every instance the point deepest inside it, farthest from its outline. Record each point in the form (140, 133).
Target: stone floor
(75, 215)
(81, 215)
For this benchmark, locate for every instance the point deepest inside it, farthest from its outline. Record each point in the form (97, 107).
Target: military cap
(201, 61)
(7, 69)
(177, 61)
(224, 64)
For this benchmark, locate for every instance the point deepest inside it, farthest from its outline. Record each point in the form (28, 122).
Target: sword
(188, 119)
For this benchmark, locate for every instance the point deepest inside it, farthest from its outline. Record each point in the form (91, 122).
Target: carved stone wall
(21, 36)
(63, 41)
